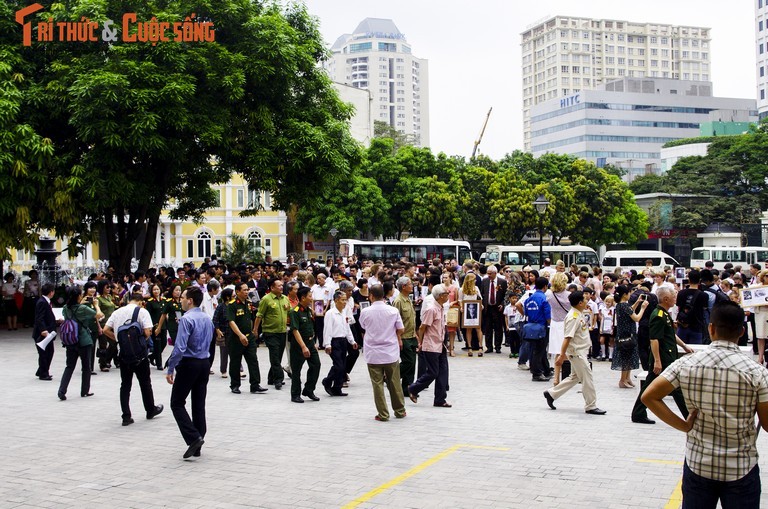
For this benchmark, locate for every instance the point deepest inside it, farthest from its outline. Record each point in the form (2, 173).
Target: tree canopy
(105, 135)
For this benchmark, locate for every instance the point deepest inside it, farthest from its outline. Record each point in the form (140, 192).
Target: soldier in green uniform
(156, 306)
(242, 341)
(664, 343)
(407, 311)
(303, 348)
(273, 318)
(172, 313)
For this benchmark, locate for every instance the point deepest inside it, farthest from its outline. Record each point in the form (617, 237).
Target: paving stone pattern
(264, 451)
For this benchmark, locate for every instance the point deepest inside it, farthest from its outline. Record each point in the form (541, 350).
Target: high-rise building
(563, 55)
(761, 50)
(377, 57)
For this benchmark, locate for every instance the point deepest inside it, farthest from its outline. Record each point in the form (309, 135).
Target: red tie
(492, 296)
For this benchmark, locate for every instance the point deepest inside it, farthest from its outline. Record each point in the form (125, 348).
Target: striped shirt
(725, 385)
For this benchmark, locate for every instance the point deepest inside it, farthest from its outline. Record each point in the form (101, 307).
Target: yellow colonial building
(184, 241)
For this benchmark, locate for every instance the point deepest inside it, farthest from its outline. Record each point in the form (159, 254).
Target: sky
(473, 48)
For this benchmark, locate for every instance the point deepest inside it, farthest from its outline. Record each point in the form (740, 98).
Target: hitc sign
(570, 101)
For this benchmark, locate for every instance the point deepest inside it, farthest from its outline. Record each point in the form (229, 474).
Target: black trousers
(276, 344)
(75, 352)
(538, 361)
(644, 345)
(313, 368)
(319, 325)
(435, 370)
(160, 341)
(191, 380)
(141, 370)
(337, 375)
(352, 355)
(494, 328)
(236, 354)
(640, 411)
(44, 359)
(212, 351)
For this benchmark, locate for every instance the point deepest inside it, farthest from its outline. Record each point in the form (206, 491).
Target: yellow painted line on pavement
(415, 470)
(676, 499)
(662, 462)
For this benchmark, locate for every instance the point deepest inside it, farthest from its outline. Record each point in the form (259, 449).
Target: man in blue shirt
(536, 308)
(190, 361)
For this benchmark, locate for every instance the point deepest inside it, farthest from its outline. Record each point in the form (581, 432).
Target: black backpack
(131, 339)
(684, 312)
(720, 296)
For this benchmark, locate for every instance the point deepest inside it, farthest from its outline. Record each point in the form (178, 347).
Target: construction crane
(482, 131)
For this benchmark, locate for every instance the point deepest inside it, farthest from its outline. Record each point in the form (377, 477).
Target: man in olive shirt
(404, 305)
(273, 318)
(664, 343)
(303, 348)
(242, 341)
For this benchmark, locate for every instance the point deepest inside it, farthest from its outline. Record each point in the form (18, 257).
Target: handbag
(627, 344)
(534, 331)
(453, 317)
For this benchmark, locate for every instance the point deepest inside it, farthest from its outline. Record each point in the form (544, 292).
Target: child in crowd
(607, 313)
(512, 319)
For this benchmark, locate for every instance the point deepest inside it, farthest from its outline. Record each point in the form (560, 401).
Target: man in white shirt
(209, 305)
(337, 335)
(140, 368)
(322, 290)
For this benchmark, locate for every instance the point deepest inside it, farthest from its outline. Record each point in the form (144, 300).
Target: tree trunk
(149, 240)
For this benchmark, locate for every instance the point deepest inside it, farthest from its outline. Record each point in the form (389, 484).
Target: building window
(218, 247)
(162, 245)
(218, 198)
(254, 199)
(762, 94)
(267, 247)
(203, 244)
(362, 46)
(762, 71)
(240, 198)
(254, 238)
(387, 46)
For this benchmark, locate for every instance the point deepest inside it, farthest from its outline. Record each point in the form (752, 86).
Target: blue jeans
(702, 493)
(690, 337)
(525, 352)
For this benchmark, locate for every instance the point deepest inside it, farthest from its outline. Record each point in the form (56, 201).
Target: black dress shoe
(258, 390)
(339, 393)
(86, 395)
(128, 421)
(157, 411)
(62, 396)
(235, 390)
(310, 395)
(196, 454)
(279, 385)
(46, 378)
(297, 399)
(328, 389)
(489, 350)
(596, 411)
(194, 447)
(644, 420)
(498, 351)
(540, 378)
(550, 400)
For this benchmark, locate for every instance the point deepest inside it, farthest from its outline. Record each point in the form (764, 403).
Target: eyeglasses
(508, 271)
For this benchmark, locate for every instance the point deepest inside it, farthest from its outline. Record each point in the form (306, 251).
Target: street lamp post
(541, 205)
(334, 232)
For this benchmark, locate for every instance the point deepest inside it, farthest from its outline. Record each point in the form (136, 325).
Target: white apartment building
(564, 55)
(761, 51)
(625, 122)
(378, 58)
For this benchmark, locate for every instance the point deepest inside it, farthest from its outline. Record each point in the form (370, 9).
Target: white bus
(519, 256)
(635, 260)
(743, 256)
(414, 249)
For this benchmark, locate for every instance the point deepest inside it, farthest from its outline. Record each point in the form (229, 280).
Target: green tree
(399, 138)
(136, 127)
(239, 249)
(645, 184)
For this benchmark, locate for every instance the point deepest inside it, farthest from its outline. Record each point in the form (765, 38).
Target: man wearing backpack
(691, 303)
(124, 326)
(715, 296)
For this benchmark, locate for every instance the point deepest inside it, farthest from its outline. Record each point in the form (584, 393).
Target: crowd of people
(406, 321)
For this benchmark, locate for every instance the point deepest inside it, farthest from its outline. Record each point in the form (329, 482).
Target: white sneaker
(523, 367)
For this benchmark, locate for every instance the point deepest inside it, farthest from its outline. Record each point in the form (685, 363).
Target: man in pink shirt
(432, 350)
(381, 349)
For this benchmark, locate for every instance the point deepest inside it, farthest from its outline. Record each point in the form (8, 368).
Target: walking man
(189, 360)
(381, 349)
(336, 336)
(432, 351)
(404, 306)
(493, 290)
(273, 318)
(576, 346)
(303, 348)
(242, 341)
(725, 387)
(139, 367)
(45, 323)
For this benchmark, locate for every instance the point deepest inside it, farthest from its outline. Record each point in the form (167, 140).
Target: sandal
(451, 354)
(469, 354)
(480, 353)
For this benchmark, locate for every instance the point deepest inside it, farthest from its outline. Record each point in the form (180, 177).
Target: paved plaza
(499, 446)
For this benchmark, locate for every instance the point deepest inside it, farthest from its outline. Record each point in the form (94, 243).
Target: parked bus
(743, 256)
(635, 260)
(414, 249)
(519, 256)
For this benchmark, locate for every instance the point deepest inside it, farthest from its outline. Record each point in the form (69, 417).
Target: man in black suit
(493, 290)
(45, 323)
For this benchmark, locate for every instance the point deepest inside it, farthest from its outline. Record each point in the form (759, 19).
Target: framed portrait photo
(364, 304)
(754, 296)
(318, 307)
(471, 314)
